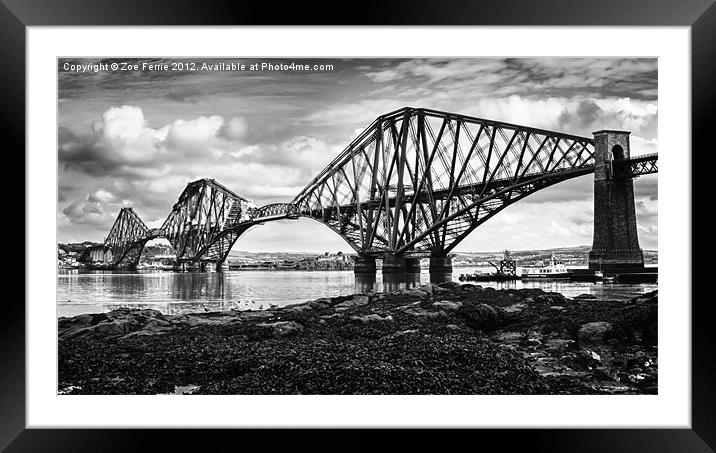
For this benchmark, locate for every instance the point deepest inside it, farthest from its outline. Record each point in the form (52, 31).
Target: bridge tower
(616, 244)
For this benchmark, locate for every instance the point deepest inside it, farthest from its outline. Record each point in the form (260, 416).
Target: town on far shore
(161, 256)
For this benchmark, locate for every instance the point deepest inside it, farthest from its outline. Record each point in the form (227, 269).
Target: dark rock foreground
(446, 339)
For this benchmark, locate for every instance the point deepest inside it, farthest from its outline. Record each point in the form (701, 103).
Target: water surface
(82, 291)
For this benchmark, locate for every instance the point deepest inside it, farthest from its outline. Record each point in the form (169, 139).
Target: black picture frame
(700, 15)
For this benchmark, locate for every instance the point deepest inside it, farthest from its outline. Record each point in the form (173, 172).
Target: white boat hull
(546, 277)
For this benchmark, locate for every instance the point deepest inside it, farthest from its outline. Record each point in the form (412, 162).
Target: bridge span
(412, 185)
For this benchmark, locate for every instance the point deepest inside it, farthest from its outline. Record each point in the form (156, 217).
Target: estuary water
(85, 291)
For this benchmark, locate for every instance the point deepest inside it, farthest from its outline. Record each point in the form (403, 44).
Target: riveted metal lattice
(414, 182)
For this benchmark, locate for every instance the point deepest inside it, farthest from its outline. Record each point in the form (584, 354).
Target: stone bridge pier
(616, 243)
(440, 264)
(202, 266)
(396, 265)
(364, 264)
(208, 266)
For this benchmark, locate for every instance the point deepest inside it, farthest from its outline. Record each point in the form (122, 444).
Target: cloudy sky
(135, 138)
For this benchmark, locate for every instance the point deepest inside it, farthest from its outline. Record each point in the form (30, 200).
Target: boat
(555, 270)
(506, 271)
(479, 276)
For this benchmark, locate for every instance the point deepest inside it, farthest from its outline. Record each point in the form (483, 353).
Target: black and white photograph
(356, 226)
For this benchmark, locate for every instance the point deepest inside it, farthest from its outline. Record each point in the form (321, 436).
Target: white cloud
(98, 208)
(543, 113)
(265, 138)
(236, 128)
(101, 196)
(360, 112)
(195, 136)
(123, 136)
(559, 230)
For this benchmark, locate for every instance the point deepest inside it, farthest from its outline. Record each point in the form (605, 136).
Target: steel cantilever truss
(127, 237)
(282, 210)
(202, 224)
(415, 182)
(418, 181)
(635, 166)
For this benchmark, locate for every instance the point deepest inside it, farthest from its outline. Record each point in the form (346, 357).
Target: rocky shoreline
(437, 339)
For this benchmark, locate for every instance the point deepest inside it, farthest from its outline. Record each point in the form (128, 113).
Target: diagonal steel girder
(635, 166)
(414, 181)
(126, 234)
(196, 224)
(414, 176)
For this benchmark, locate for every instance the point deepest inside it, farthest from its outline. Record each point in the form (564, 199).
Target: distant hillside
(78, 247)
(271, 256)
(577, 255)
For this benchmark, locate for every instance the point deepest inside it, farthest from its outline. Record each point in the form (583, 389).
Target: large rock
(449, 285)
(437, 288)
(320, 303)
(423, 313)
(595, 332)
(116, 323)
(299, 307)
(514, 308)
(66, 326)
(558, 344)
(106, 329)
(367, 319)
(189, 320)
(413, 293)
(427, 289)
(110, 329)
(508, 337)
(470, 287)
(480, 316)
(645, 298)
(447, 305)
(281, 328)
(355, 301)
(639, 321)
(549, 299)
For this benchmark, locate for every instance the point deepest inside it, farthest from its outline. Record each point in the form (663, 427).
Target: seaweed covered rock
(449, 285)
(367, 319)
(459, 339)
(116, 323)
(480, 316)
(550, 299)
(595, 332)
(281, 328)
(447, 305)
(353, 301)
(585, 296)
(638, 322)
(65, 325)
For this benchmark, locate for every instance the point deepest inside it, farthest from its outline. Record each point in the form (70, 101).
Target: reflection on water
(177, 292)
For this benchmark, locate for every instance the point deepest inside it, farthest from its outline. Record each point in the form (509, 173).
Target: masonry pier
(616, 243)
(396, 264)
(440, 264)
(412, 265)
(364, 265)
(393, 264)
